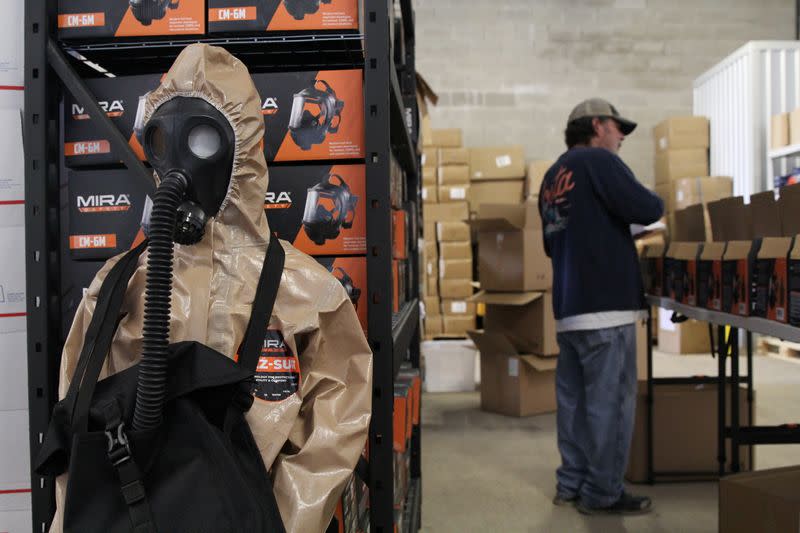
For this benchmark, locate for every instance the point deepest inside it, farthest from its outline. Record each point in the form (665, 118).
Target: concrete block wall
(511, 71)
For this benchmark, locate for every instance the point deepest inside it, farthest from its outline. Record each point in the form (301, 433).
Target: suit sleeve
(621, 193)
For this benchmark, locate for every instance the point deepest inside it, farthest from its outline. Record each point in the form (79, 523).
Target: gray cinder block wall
(509, 71)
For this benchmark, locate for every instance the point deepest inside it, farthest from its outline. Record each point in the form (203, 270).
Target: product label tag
(513, 367)
(424, 193)
(662, 143)
(503, 161)
(458, 307)
(664, 321)
(458, 193)
(278, 371)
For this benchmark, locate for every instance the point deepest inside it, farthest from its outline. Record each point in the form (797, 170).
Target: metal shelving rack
(389, 105)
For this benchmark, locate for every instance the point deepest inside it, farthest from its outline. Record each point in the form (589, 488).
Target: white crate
(449, 365)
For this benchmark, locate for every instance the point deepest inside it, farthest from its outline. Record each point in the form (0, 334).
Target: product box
(430, 157)
(452, 231)
(401, 418)
(534, 176)
(445, 138)
(105, 212)
(677, 133)
(682, 277)
(794, 284)
(433, 326)
(452, 251)
(794, 127)
(432, 267)
(450, 288)
(765, 500)
(399, 234)
(432, 305)
(430, 176)
(687, 337)
(453, 156)
(676, 164)
(683, 192)
(445, 212)
(652, 267)
(683, 443)
(321, 209)
(458, 307)
(231, 16)
(511, 383)
(779, 130)
(511, 249)
(455, 269)
(430, 194)
(769, 290)
(432, 286)
(93, 19)
(458, 325)
(524, 319)
(453, 193)
(789, 209)
(352, 274)
(397, 184)
(496, 192)
(709, 275)
(457, 175)
(290, 103)
(497, 163)
(737, 266)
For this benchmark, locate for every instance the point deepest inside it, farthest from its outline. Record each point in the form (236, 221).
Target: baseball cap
(597, 107)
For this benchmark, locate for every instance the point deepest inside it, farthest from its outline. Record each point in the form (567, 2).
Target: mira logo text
(103, 203)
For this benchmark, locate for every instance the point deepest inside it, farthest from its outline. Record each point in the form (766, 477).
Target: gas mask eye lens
(204, 141)
(157, 141)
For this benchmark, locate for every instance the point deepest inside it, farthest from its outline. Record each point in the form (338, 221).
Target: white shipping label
(664, 322)
(430, 268)
(423, 159)
(441, 268)
(679, 196)
(458, 307)
(478, 174)
(503, 161)
(662, 143)
(513, 367)
(424, 193)
(458, 193)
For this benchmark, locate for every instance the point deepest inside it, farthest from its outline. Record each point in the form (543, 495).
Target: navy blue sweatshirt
(587, 201)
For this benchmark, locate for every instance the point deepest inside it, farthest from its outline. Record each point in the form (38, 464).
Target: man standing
(587, 202)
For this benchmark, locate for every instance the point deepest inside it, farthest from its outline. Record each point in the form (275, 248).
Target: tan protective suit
(311, 441)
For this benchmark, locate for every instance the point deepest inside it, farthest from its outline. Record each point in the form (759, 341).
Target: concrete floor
(491, 473)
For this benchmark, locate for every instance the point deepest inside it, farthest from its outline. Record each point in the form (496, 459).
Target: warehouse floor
(485, 472)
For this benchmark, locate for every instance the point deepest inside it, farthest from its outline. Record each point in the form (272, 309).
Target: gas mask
(146, 11)
(300, 8)
(190, 139)
(314, 112)
(330, 206)
(344, 278)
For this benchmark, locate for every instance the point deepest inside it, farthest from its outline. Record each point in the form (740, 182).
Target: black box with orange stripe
(81, 19)
(313, 115)
(352, 274)
(321, 209)
(104, 214)
(231, 16)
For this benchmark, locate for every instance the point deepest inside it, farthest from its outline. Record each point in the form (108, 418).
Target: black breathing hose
(151, 388)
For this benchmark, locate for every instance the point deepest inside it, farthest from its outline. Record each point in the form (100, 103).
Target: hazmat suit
(310, 438)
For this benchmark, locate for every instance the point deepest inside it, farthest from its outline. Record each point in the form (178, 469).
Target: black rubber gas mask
(330, 206)
(300, 8)
(189, 137)
(353, 292)
(146, 11)
(314, 111)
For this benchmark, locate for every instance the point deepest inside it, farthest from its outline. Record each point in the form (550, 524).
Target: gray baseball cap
(597, 107)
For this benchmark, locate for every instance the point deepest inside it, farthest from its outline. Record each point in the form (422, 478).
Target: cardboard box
(433, 326)
(104, 214)
(524, 319)
(445, 212)
(678, 133)
(352, 274)
(455, 269)
(766, 500)
(285, 205)
(497, 163)
(453, 193)
(794, 127)
(457, 324)
(709, 276)
(432, 305)
(458, 308)
(692, 224)
(511, 383)
(432, 286)
(120, 97)
(779, 130)
(680, 442)
(457, 175)
(81, 19)
(682, 275)
(446, 138)
(430, 194)
(676, 164)
(430, 176)
(453, 156)
(452, 231)
(450, 288)
(232, 16)
(683, 338)
(534, 176)
(737, 266)
(455, 250)
(789, 208)
(770, 286)
(766, 215)
(496, 192)
(683, 192)
(430, 157)
(511, 249)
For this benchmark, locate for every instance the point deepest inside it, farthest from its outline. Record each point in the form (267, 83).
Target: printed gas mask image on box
(80, 19)
(316, 112)
(232, 16)
(146, 11)
(330, 207)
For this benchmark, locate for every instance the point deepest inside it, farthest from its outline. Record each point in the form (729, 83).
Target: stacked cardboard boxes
(681, 145)
(497, 175)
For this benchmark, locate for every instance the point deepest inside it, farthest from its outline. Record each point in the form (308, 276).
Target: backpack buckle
(119, 450)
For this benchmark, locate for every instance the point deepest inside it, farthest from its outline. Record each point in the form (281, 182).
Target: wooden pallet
(771, 345)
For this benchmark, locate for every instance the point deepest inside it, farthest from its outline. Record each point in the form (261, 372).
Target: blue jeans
(596, 393)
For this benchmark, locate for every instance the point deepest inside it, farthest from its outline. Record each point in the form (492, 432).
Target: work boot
(627, 504)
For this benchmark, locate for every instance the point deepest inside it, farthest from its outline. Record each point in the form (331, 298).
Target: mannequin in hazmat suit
(309, 438)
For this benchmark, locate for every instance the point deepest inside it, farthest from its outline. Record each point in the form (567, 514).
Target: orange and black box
(769, 289)
(794, 284)
(104, 214)
(352, 274)
(82, 19)
(399, 234)
(682, 274)
(738, 265)
(709, 276)
(320, 209)
(232, 16)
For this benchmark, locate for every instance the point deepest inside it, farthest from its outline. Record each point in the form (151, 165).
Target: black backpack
(200, 470)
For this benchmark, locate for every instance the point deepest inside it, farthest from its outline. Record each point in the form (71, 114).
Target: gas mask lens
(299, 111)
(204, 141)
(157, 142)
